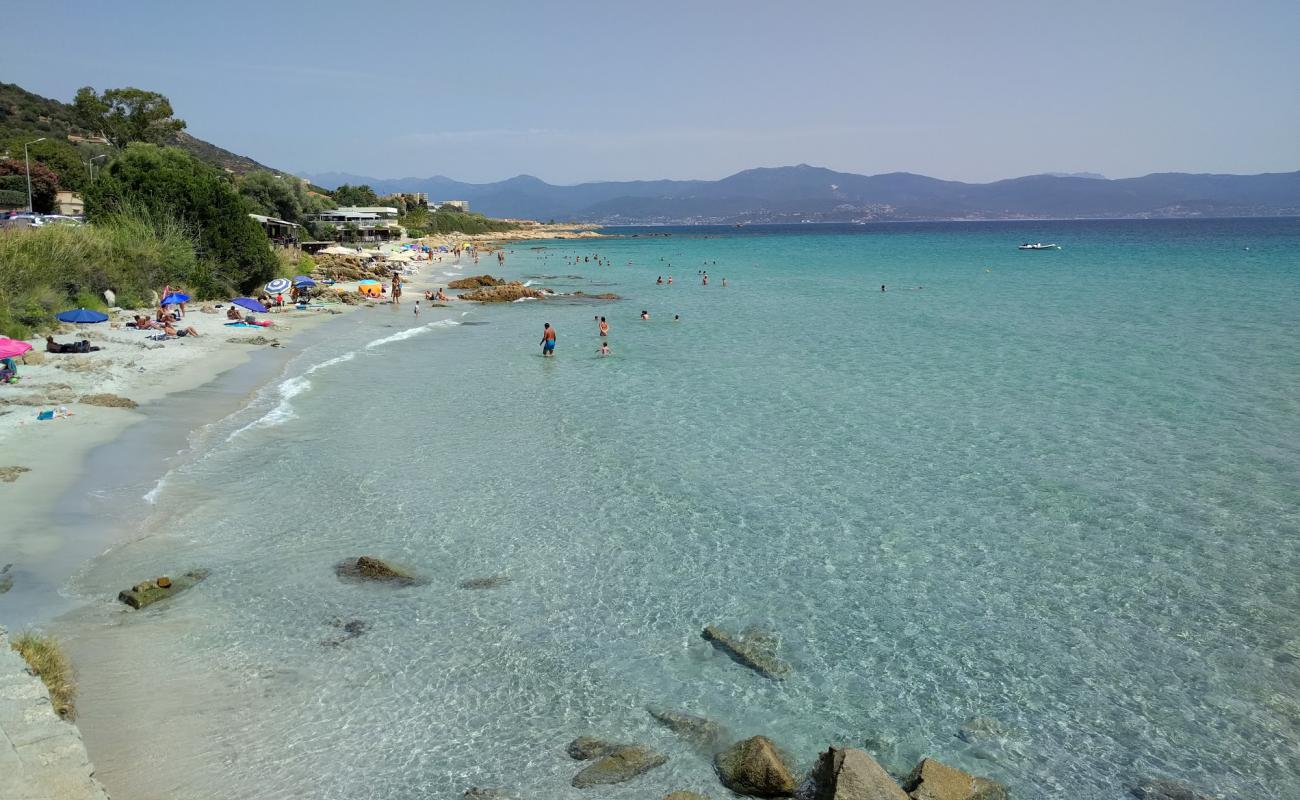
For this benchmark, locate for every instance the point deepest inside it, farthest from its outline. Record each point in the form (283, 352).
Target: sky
(580, 91)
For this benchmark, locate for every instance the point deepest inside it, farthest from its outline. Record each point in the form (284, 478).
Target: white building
(363, 223)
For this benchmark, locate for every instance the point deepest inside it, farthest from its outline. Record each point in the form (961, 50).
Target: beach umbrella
(81, 315)
(303, 282)
(250, 304)
(10, 348)
(278, 286)
(174, 298)
(339, 250)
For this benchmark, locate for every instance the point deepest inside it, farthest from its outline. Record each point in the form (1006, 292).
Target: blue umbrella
(175, 298)
(81, 315)
(304, 283)
(250, 304)
(278, 286)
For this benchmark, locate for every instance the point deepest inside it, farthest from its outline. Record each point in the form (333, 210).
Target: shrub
(49, 663)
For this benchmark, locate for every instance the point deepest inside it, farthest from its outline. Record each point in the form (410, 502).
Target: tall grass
(47, 660)
(52, 268)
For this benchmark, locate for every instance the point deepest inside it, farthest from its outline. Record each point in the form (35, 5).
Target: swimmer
(645, 315)
(604, 327)
(724, 283)
(660, 281)
(417, 308)
(677, 317)
(548, 340)
(882, 287)
(604, 349)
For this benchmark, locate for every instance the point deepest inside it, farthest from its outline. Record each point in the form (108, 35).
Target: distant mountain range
(804, 193)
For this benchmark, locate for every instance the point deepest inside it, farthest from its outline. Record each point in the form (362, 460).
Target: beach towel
(241, 325)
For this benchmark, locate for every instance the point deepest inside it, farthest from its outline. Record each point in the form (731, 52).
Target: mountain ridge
(810, 193)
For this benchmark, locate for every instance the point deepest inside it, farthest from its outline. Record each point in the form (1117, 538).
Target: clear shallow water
(1056, 489)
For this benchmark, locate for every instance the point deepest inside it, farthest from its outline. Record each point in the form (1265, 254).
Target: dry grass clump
(49, 663)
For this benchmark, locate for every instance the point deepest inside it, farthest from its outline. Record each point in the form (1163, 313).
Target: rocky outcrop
(108, 401)
(10, 474)
(933, 780)
(621, 765)
(506, 293)
(475, 282)
(1157, 789)
(757, 653)
(146, 593)
(485, 582)
(585, 748)
(369, 568)
(851, 774)
(601, 296)
(756, 768)
(703, 733)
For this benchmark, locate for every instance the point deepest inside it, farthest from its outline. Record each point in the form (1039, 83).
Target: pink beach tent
(9, 348)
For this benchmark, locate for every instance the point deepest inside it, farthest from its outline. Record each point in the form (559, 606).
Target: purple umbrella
(250, 304)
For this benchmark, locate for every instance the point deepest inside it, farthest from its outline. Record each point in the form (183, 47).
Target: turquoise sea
(1055, 492)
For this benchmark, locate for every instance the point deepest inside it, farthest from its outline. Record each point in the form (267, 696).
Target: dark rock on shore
(485, 582)
(147, 593)
(1157, 789)
(756, 768)
(933, 780)
(475, 282)
(702, 732)
(757, 654)
(369, 568)
(585, 748)
(622, 765)
(851, 774)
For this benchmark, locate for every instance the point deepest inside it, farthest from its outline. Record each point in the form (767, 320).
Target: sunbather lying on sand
(172, 330)
(82, 346)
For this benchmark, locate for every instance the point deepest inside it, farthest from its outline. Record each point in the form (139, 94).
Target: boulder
(475, 282)
(10, 474)
(149, 592)
(485, 582)
(1157, 789)
(755, 654)
(756, 768)
(108, 401)
(684, 796)
(621, 765)
(932, 780)
(852, 774)
(704, 733)
(369, 568)
(506, 293)
(585, 748)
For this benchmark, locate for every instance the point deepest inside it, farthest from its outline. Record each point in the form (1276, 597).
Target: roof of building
(264, 218)
(367, 209)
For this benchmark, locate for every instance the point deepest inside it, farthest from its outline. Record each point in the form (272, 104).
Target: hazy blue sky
(575, 91)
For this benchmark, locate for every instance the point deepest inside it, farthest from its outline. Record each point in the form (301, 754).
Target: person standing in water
(548, 340)
(417, 308)
(604, 327)
(705, 280)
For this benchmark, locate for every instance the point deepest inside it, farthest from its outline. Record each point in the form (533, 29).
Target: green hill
(24, 114)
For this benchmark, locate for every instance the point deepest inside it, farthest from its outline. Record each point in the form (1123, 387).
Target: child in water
(604, 349)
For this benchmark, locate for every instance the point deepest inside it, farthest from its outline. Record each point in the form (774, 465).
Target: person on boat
(548, 340)
(604, 327)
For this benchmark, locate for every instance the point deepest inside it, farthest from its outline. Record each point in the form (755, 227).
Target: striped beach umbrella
(278, 286)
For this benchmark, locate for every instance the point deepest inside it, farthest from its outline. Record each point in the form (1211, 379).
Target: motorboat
(1039, 246)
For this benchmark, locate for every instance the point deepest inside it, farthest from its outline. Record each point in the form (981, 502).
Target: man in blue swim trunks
(548, 340)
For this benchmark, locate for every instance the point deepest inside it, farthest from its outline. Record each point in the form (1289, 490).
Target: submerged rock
(585, 748)
(757, 655)
(477, 793)
(852, 774)
(10, 474)
(704, 733)
(684, 796)
(108, 401)
(621, 765)
(147, 593)
(756, 768)
(933, 780)
(369, 568)
(348, 631)
(1157, 789)
(485, 582)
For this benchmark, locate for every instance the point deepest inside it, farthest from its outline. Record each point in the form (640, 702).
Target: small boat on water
(1039, 246)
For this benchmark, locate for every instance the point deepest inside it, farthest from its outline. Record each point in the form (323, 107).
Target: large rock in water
(756, 768)
(621, 765)
(932, 780)
(1165, 790)
(147, 593)
(369, 568)
(506, 293)
(756, 654)
(851, 774)
(705, 734)
(475, 282)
